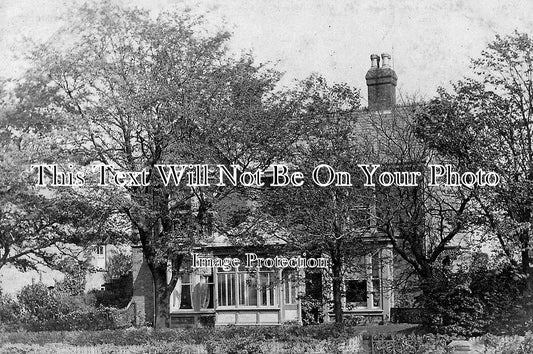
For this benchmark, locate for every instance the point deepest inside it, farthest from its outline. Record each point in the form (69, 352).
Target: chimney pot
(386, 60)
(374, 58)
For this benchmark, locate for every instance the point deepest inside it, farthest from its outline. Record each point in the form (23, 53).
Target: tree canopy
(486, 122)
(129, 91)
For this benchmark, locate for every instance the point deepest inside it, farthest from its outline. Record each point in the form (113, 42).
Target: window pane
(222, 290)
(186, 302)
(242, 290)
(376, 279)
(175, 299)
(376, 266)
(287, 291)
(267, 289)
(263, 281)
(247, 290)
(356, 292)
(290, 286)
(376, 287)
(231, 289)
(226, 289)
(206, 291)
(252, 295)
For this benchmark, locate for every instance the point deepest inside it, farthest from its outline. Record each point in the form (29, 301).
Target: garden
(43, 320)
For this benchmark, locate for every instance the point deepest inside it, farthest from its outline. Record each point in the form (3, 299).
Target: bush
(40, 308)
(38, 303)
(312, 310)
(428, 343)
(9, 309)
(471, 303)
(118, 292)
(212, 336)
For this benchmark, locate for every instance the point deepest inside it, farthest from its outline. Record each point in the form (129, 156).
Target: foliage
(509, 344)
(58, 348)
(435, 344)
(9, 309)
(320, 220)
(42, 308)
(117, 293)
(132, 91)
(484, 122)
(119, 265)
(39, 303)
(75, 277)
(472, 303)
(312, 310)
(37, 224)
(64, 342)
(420, 220)
(140, 336)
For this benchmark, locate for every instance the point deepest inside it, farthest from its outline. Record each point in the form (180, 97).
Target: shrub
(507, 344)
(312, 310)
(118, 292)
(75, 277)
(9, 310)
(38, 303)
(471, 303)
(40, 308)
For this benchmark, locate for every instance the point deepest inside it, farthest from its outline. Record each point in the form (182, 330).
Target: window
(376, 280)
(100, 257)
(266, 288)
(364, 289)
(247, 290)
(356, 292)
(181, 297)
(193, 292)
(290, 286)
(206, 292)
(241, 288)
(226, 288)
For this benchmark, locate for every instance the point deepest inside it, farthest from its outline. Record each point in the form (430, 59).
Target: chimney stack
(381, 83)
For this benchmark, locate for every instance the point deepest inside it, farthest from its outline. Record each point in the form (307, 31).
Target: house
(98, 259)
(218, 286)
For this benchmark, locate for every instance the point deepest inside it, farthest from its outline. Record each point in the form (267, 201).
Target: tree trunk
(336, 266)
(162, 286)
(525, 260)
(524, 240)
(161, 298)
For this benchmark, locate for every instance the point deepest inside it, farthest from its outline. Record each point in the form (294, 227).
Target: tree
(133, 92)
(325, 220)
(420, 220)
(119, 265)
(36, 225)
(486, 122)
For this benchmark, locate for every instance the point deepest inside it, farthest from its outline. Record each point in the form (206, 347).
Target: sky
(431, 41)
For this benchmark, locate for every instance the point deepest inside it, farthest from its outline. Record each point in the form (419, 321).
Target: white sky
(432, 40)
